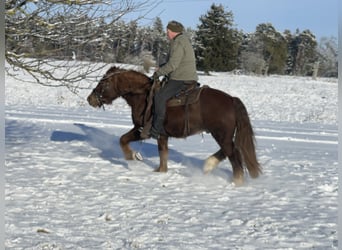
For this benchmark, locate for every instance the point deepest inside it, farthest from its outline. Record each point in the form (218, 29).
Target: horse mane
(129, 80)
(115, 70)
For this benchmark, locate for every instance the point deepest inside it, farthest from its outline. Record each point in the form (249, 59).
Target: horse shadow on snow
(109, 147)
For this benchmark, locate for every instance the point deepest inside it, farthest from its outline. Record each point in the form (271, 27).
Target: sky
(320, 17)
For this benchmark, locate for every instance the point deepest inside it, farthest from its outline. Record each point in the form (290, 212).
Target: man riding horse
(224, 116)
(181, 71)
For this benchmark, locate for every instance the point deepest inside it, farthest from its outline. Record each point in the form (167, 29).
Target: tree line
(66, 31)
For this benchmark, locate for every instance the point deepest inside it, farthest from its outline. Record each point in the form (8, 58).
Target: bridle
(99, 97)
(99, 94)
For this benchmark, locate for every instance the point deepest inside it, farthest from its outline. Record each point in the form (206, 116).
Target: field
(69, 187)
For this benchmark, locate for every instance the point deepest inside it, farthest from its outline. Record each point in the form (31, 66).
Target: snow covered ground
(68, 186)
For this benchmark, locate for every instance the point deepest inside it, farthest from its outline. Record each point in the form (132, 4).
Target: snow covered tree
(302, 53)
(264, 51)
(251, 55)
(274, 48)
(217, 42)
(159, 42)
(291, 52)
(59, 33)
(327, 57)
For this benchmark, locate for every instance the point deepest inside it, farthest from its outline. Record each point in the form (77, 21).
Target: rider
(180, 68)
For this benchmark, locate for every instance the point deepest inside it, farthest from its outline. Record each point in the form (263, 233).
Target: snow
(69, 187)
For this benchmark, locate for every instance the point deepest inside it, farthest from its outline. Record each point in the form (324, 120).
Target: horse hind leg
(236, 162)
(213, 160)
(234, 156)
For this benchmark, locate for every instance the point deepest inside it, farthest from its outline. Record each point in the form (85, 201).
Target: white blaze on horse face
(210, 164)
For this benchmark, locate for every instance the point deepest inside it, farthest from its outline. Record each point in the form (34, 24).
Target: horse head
(118, 82)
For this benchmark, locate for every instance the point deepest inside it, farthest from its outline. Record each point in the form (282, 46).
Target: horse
(223, 116)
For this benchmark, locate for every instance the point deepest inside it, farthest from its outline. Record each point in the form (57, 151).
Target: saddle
(188, 96)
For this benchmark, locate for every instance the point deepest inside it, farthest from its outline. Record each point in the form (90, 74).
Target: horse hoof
(160, 170)
(137, 156)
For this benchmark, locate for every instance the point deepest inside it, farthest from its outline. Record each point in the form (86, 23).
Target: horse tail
(244, 138)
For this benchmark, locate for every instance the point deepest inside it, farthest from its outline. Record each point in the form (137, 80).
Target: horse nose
(91, 100)
(88, 99)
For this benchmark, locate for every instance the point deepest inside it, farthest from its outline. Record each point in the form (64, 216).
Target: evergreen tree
(159, 42)
(216, 42)
(302, 52)
(274, 48)
(291, 52)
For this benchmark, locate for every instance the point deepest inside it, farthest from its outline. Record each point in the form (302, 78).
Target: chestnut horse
(216, 112)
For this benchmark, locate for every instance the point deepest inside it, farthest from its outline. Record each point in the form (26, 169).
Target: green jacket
(182, 63)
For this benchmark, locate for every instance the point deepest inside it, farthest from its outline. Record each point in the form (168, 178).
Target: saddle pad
(187, 97)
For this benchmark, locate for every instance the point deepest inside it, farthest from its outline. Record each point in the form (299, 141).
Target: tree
(327, 57)
(59, 33)
(274, 48)
(251, 55)
(159, 42)
(291, 52)
(302, 52)
(217, 42)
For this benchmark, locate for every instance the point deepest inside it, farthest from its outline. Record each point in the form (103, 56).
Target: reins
(147, 123)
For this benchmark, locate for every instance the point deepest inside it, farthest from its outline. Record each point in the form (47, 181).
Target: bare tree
(328, 57)
(57, 41)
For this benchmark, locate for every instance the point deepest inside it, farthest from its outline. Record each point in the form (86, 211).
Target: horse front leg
(163, 153)
(132, 135)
